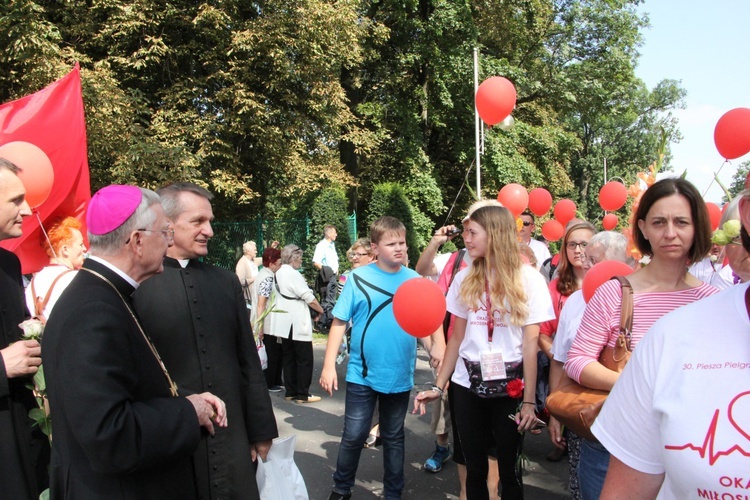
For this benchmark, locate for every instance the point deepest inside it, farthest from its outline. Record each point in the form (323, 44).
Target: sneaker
(339, 496)
(441, 455)
(310, 399)
(275, 388)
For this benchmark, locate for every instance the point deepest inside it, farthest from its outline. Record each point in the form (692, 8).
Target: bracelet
(527, 403)
(436, 389)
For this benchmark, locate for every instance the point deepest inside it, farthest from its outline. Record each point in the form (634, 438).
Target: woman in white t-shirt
(673, 228)
(492, 353)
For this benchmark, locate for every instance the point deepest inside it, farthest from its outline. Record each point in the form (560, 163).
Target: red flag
(52, 120)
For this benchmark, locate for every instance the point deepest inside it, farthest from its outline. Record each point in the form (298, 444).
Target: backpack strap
(457, 265)
(39, 303)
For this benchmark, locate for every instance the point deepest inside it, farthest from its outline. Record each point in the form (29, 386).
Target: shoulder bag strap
(626, 314)
(276, 284)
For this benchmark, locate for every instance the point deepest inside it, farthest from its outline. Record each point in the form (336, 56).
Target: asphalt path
(318, 428)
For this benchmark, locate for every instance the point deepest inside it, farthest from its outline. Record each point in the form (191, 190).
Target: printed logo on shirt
(734, 431)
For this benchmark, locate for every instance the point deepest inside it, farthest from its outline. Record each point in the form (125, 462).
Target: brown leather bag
(576, 406)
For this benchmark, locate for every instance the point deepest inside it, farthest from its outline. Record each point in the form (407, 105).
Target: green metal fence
(225, 247)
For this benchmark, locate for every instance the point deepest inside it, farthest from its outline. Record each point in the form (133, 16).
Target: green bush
(329, 207)
(390, 199)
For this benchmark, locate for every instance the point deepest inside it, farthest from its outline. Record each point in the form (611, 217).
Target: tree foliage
(271, 103)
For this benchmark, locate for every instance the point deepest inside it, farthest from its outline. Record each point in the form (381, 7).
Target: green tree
(390, 199)
(738, 181)
(330, 208)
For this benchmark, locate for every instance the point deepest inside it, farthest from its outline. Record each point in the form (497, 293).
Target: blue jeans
(360, 405)
(592, 469)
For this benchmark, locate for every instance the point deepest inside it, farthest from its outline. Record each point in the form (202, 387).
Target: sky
(704, 45)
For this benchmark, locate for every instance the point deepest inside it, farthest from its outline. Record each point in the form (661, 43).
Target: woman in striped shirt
(672, 227)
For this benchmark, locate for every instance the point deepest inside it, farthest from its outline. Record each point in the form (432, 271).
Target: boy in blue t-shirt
(381, 363)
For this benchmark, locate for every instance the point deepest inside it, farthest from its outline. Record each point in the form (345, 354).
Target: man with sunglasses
(527, 236)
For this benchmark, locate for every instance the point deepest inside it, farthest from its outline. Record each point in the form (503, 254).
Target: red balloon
(419, 307)
(36, 170)
(612, 196)
(495, 99)
(603, 271)
(565, 210)
(540, 201)
(714, 215)
(609, 222)
(514, 197)
(732, 133)
(552, 230)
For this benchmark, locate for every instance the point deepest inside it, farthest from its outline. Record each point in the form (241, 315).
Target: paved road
(318, 428)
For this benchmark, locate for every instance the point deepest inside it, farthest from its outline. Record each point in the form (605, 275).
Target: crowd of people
(156, 390)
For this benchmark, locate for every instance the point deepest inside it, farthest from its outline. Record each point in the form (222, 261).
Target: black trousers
(298, 367)
(274, 351)
(478, 421)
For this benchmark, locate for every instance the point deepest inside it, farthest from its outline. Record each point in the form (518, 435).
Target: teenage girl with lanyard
(494, 349)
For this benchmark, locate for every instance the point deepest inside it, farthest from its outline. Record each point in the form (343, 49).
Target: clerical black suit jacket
(117, 431)
(24, 452)
(198, 320)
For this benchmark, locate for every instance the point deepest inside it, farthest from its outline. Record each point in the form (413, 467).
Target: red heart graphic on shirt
(739, 413)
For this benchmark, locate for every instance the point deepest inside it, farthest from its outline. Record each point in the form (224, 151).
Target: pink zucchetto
(110, 207)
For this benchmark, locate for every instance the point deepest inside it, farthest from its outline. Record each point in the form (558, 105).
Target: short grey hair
(288, 253)
(9, 165)
(170, 197)
(112, 242)
(615, 245)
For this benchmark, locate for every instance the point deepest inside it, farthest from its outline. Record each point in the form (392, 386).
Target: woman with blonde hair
(64, 246)
(492, 356)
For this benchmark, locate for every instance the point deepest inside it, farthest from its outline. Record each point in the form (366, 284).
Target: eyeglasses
(360, 254)
(527, 224)
(573, 244)
(167, 233)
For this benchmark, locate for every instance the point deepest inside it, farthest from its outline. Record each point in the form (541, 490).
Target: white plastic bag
(278, 477)
(262, 354)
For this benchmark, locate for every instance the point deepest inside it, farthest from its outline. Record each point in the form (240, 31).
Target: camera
(453, 232)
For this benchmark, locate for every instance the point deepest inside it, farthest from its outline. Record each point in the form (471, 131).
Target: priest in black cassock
(197, 317)
(24, 451)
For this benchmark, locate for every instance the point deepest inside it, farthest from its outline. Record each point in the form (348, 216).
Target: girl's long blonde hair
(501, 265)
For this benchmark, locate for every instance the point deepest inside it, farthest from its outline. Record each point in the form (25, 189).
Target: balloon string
(714, 177)
(455, 200)
(46, 237)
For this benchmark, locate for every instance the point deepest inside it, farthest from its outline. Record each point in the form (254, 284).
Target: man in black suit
(22, 475)
(120, 429)
(197, 317)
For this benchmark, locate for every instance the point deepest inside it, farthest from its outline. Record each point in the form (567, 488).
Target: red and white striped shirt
(600, 324)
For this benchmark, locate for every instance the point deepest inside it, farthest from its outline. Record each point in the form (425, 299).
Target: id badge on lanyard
(491, 362)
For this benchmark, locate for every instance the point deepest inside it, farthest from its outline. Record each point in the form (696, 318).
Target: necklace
(172, 385)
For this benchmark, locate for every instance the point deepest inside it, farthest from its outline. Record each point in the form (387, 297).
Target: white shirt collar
(115, 269)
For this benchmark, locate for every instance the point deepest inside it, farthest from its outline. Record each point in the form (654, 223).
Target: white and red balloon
(495, 100)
